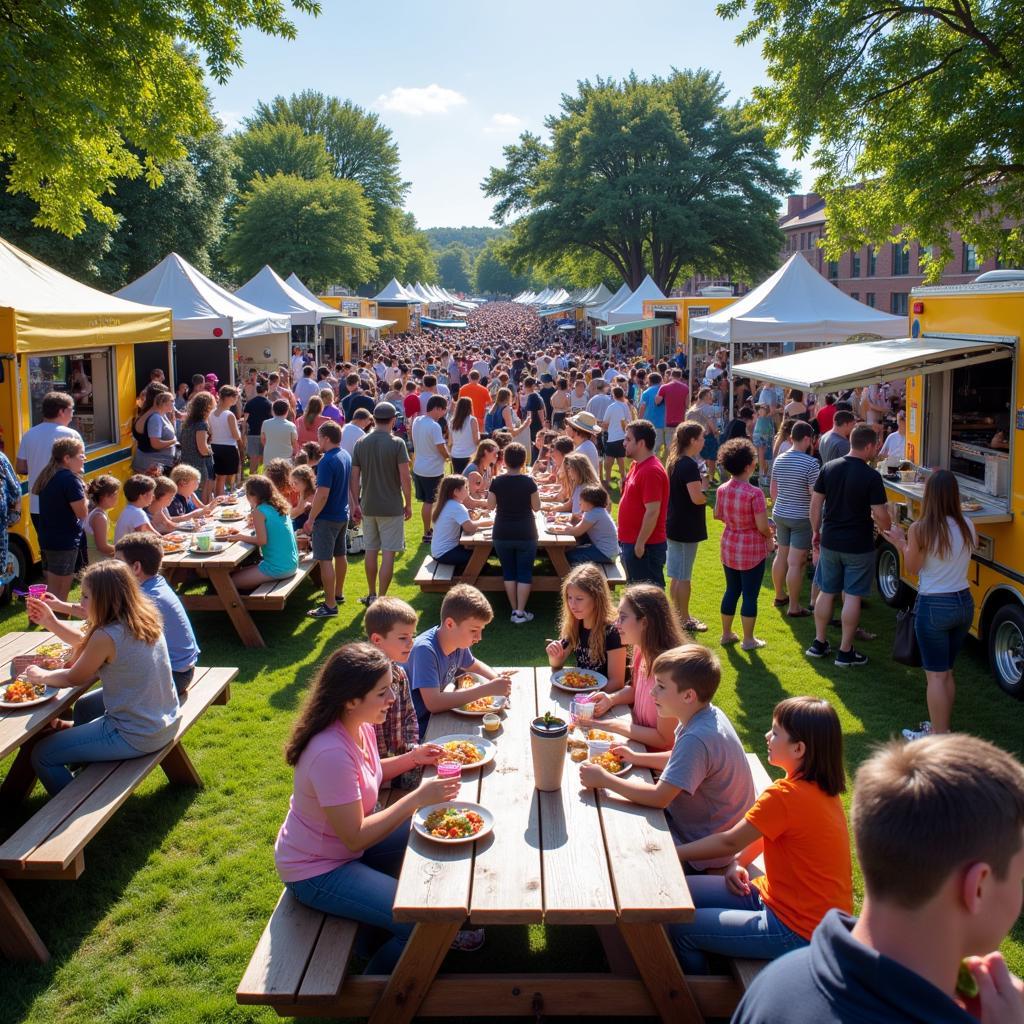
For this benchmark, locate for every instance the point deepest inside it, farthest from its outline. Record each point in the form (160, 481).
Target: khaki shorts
(384, 533)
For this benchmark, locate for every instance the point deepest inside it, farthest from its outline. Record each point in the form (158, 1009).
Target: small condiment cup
(491, 723)
(596, 747)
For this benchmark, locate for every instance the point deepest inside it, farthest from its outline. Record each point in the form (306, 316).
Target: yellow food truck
(965, 412)
(59, 335)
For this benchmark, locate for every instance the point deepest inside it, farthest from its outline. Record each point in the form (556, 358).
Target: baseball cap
(384, 411)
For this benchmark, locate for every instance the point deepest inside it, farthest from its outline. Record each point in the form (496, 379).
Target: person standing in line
(516, 499)
(534, 411)
(674, 395)
(616, 416)
(257, 411)
(937, 549)
(848, 496)
(153, 429)
(306, 387)
(328, 519)
(836, 443)
(478, 395)
(381, 498)
(431, 456)
(686, 525)
(352, 433)
(224, 439)
(643, 508)
(793, 476)
(465, 434)
(62, 511)
(650, 410)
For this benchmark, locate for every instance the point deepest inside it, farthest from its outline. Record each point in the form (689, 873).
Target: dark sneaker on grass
(847, 659)
(819, 649)
(323, 612)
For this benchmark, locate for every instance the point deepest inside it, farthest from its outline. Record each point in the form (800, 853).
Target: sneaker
(819, 649)
(368, 599)
(469, 940)
(924, 729)
(518, 618)
(847, 659)
(323, 612)
(526, 616)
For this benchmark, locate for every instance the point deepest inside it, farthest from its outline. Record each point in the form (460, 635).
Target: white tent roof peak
(268, 291)
(795, 304)
(294, 281)
(601, 312)
(394, 292)
(633, 307)
(598, 296)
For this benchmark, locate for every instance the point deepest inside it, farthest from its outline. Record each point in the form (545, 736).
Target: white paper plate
(486, 747)
(497, 704)
(51, 692)
(420, 817)
(216, 546)
(223, 518)
(600, 684)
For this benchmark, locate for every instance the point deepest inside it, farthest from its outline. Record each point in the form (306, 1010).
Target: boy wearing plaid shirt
(391, 625)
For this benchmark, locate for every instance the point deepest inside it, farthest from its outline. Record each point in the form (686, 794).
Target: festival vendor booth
(406, 308)
(352, 334)
(965, 413)
(213, 329)
(674, 315)
(795, 308)
(628, 316)
(598, 315)
(59, 335)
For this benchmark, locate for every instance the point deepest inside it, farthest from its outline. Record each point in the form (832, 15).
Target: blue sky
(455, 81)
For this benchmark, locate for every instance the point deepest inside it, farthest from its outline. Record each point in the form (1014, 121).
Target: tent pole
(732, 373)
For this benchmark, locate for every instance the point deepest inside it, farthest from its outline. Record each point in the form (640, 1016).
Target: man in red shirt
(410, 406)
(477, 394)
(643, 508)
(675, 395)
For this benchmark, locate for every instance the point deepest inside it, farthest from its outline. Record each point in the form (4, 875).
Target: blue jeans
(941, 624)
(729, 925)
(746, 582)
(93, 738)
(650, 568)
(587, 553)
(457, 556)
(364, 890)
(516, 557)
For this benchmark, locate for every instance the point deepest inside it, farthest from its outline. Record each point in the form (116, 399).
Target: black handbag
(905, 649)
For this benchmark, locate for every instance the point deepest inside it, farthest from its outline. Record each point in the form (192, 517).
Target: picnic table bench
(569, 857)
(51, 844)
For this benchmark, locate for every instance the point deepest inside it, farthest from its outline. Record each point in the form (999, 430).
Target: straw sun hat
(585, 421)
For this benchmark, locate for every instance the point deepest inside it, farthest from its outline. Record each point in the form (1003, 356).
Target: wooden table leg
(661, 972)
(558, 560)
(18, 939)
(415, 972)
(179, 768)
(475, 565)
(232, 600)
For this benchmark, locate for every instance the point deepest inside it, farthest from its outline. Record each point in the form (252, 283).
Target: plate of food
(578, 680)
(458, 822)
(20, 693)
(970, 506)
(231, 515)
(215, 548)
(482, 706)
(221, 532)
(609, 762)
(469, 751)
(173, 547)
(52, 654)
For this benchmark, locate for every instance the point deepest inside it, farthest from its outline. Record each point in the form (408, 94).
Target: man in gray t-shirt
(709, 767)
(836, 442)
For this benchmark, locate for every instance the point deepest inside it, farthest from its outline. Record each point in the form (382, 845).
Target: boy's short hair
(925, 809)
(280, 407)
(515, 455)
(137, 485)
(331, 431)
(863, 437)
(842, 417)
(436, 402)
(802, 431)
(164, 485)
(691, 667)
(387, 612)
(465, 602)
(144, 548)
(594, 495)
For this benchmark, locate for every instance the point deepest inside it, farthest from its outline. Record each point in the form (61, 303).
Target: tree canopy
(93, 93)
(492, 274)
(913, 112)
(280, 148)
(657, 176)
(453, 268)
(320, 229)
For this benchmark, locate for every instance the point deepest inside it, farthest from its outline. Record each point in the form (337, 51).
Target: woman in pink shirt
(648, 622)
(334, 852)
(310, 421)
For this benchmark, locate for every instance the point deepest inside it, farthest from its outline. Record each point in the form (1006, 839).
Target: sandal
(780, 601)
(755, 646)
(732, 638)
(800, 613)
(695, 626)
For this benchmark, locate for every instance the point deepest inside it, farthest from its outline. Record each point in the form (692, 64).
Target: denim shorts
(941, 624)
(792, 533)
(681, 556)
(842, 572)
(516, 557)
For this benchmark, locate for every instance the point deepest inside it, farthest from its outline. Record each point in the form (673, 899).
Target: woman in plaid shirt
(746, 539)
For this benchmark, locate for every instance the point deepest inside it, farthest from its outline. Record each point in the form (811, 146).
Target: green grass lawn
(179, 885)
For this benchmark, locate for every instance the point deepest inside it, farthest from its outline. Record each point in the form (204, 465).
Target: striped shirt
(793, 474)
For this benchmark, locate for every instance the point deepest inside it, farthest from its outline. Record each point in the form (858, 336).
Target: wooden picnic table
(569, 857)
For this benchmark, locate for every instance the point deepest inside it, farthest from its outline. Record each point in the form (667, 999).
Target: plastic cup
(491, 723)
(203, 541)
(449, 770)
(581, 711)
(37, 590)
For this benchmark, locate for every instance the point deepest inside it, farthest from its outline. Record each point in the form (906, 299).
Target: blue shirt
(181, 639)
(655, 414)
(429, 667)
(333, 471)
(59, 528)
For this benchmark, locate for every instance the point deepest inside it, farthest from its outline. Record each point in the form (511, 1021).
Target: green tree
(453, 268)
(913, 113)
(94, 93)
(280, 148)
(493, 276)
(658, 177)
(320, 229)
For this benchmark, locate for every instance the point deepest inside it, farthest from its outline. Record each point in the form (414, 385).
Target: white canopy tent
(632, 308)
(601, 312)
(596, 297)
(209, 319)
(394, 292)
(295, 282)
(267, 290)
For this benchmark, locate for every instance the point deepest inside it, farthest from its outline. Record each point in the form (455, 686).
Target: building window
(872, 261)
(89, 378)
(869, 299)
(970, 258)
(833, 270)
(898, 303)
(855, 263)
(803, 239)
(855, 295)
(900, 259)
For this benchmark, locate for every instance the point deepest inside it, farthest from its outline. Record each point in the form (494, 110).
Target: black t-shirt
(353, 401)
(59, 528)
(533, 406)
(685, 522)
(514, 519)
(545, 393)
(850, 487)
(736, 428)
(612, 642)
(258, 410)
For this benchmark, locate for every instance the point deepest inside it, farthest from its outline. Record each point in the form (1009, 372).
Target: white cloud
(503, 123)
(231, 119)
(430, 99)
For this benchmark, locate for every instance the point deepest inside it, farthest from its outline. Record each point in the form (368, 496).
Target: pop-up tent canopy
(394, 292)
(268, 291)
(601, 312)
(295, 283)
(632, 309)
(211, 325)
(42, 308)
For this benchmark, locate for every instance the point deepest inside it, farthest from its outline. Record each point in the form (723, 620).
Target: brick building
(881, 278)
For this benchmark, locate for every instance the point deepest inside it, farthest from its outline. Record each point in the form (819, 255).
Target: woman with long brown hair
(465, 434)
(335, 852)
(937, 548)
(309, 422)
(62, 511)
(136, 709)
(195, 440)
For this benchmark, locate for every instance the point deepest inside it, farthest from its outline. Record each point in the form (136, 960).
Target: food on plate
(481, 704)
(53, 649)
(453, 823)
(970, 506)
(600, 734)
(608, 761)
(463, 751)
(173, 547)
(577, 680)
(222, 532)
(578, 754)
(20, 691)
(231, 516)
(465, 682)
(577, 745)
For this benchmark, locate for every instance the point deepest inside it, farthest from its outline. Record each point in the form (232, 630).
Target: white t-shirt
(281, 438)
(616, 416)
(448, 528)
(589, 449)
(482, 367)
(426, 436)
(35, 449)
(610, 374)
(297, 363)
(220, 427)
(462, 440)
(350, 433)
(894, 446)
(130, 520)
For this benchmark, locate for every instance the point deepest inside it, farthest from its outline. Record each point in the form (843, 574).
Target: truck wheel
(1006, 649)
(18, 554)
(895, 593)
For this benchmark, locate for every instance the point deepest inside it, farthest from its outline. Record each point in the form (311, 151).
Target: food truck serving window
(89, 378)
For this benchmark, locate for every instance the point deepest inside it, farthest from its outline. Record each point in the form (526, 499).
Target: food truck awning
(870, 362)
(611, 330)
(364, 323)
